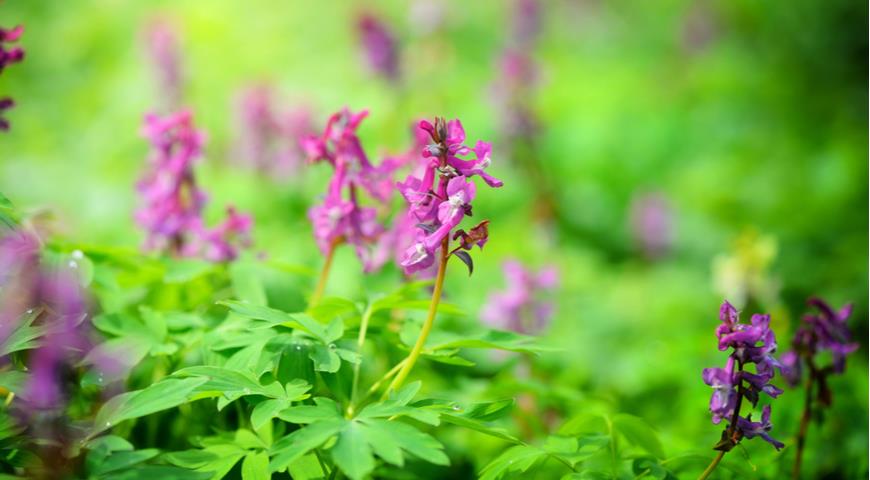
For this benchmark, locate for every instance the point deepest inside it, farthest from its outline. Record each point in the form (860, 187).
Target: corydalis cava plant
(749, 344)
(341, 218)
(522, 306)
(171, 213)
(8, 56)
(824, 331)
(379, 46)
(439, 200)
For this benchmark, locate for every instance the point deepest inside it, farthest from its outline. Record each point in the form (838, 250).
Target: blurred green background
(750, 118)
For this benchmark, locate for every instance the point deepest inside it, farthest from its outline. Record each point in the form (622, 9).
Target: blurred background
(662, 156)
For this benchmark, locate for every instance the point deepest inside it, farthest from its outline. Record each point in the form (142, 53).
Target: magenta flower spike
(165, 52)
(749, 344)
(439, 209)
(379, 46)
(269, 140)
(523, 306)
(651, 224)
(172, 202)
(341, 217)
(8, 56)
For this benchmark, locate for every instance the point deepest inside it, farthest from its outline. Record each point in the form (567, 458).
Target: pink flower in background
(269, 140)
(172, 201)
(379, 46)
(524, 305)
(222, 243)
(341, 217)
(651, 224)
(8, 56)
(163, 48)
(171, 213)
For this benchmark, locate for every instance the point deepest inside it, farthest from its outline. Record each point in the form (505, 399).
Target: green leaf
(305, 468)
(13, 380)
(124, 459)
(182, 271)
(415, 442)
(165, 394)
(639, 433)
(494, 339)
(25, 334)
(325, 358)
(294, 446)
(325, 409)
(516, 459)
(246, 283)
(151, 472)
(231, 385)
(266, 411)
(352, 452)
(256, 466)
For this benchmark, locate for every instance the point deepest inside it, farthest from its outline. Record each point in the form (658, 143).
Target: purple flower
(752, 429)
(268, 140)
(222, 243)
(724, 398)
(163, 48)
(172, 201)
(379, 46)
(752, 344)
(651, 224)
(440, 208)
(9, 56)
(524, 305)
(790, 368)
(341, 217)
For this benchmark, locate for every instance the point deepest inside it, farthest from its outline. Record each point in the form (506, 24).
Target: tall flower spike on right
(749, 344)
(439, 207)
(825, 331)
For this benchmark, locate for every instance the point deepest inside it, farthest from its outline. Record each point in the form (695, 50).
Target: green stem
(427, 325)
(805, 424)
(324, 273)
(360, 341)
(322, 465)
(712, 466)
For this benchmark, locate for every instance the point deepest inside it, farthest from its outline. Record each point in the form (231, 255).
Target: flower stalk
(324, 272)
(427, 325)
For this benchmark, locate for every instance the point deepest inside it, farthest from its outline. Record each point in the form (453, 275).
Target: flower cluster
(753, 343)
(825, 331)
(519, 74)
(438, 209)
(269, 140)
(522, 306)
(35, 291)
(651, 224)
(173, 202)
(341, 218)
(8, 56)
(379, 46)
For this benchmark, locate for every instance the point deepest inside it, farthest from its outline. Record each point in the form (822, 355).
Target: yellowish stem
(712, 465)
(324, 273)
(427, 325)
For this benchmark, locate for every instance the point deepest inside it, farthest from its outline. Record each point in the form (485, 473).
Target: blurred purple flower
(379, 46)
(269, 140)
(171, 213)
(523, 306)
(527, 21)
(438, 211)
(172, 202)
(828, 331)
(8, 56)
(651, 224)
(163, 48)
(222, 243)
(753, 343)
